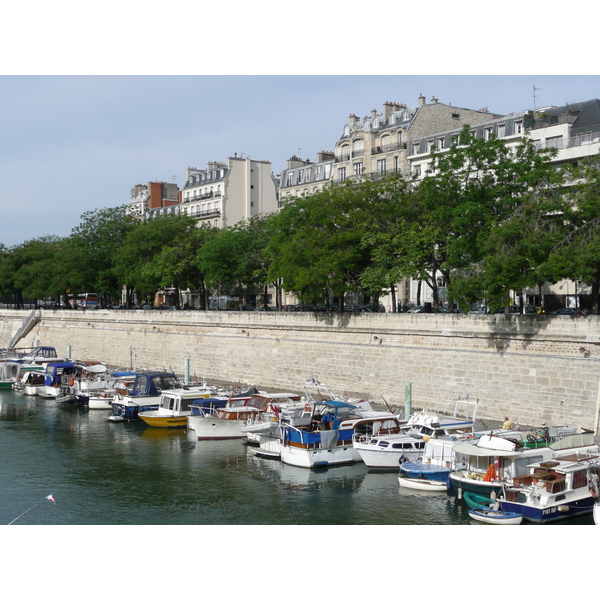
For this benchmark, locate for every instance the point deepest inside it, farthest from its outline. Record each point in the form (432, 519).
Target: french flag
(51, 498)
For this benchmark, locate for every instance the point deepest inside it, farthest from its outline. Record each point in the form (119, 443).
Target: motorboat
(144, 393)
(173, 410)
(12, 371)
(383, 450)
(118, 383)
(554, 489)
(29, 383)
(493, 461)
(228, 422)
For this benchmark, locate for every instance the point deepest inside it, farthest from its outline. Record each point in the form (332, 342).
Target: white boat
(425, 485)
(494, 461)
(495, 517)
(388, 450)
(227, 422)
(30, 383)
(554, 489)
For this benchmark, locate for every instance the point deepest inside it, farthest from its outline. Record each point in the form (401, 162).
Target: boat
(227, 422)
(381, 450)
(553, 490)
(11, 371)
(118, 383)
(53, 377)
(143, 394)
(82, 380)
(37, 355)
(493, 461)
(424, 476)
(423, 484)
(173, 410)
(29, 383)
(594, 484)
(495, 517)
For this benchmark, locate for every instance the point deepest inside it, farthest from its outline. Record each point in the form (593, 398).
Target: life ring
(307, 408)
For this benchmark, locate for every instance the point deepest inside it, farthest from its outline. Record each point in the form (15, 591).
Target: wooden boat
(494, 461)
(554, 489)
(495, 517)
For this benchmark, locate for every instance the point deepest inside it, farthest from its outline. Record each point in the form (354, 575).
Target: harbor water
(101, 472)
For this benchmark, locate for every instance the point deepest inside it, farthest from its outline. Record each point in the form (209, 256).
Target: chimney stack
(421, 100)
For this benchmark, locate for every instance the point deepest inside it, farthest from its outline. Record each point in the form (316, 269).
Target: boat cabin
(152, 383)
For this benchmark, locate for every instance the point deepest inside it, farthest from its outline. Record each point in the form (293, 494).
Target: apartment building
(155, 197)
(224, 194)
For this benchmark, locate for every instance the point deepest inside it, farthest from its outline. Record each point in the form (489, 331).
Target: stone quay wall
(533, 369)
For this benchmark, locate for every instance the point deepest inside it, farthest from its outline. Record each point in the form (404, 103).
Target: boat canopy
(473, 450)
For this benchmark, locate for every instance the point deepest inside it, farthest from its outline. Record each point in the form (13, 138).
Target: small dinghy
(427, 485)
(495, 517)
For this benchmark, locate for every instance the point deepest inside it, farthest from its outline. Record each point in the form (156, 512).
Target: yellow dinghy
(174, 408)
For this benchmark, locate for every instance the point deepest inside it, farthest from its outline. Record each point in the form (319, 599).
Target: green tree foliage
(576, 255)
(156, 253)
(475, 208)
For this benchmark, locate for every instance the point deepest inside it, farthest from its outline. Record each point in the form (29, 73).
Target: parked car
(479, 310)
(416, 309)
(568, 311)
(380, 309)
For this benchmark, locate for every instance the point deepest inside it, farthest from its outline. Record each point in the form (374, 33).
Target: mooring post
(187, 371)
(407, 400)
(68, 352)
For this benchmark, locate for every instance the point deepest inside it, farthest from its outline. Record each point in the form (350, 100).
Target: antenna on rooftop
(534, 91)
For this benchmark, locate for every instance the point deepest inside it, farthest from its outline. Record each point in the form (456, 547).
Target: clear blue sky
(94, 111)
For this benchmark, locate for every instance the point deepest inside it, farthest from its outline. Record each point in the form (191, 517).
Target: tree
(576, 255)
(89, 259)
(475, 205)
(137, 261)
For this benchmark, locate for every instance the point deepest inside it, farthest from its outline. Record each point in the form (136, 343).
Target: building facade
(153, 196)
(224, 194)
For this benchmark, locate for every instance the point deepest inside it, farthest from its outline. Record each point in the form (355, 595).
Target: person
(507, 424)
(327, 420)
(316, 421)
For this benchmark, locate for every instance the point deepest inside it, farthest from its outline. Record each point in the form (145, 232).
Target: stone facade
(534, 369)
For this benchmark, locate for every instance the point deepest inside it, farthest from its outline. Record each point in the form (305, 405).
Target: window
(429, 145)
(487, 133)
(342, 174)
(406, 115)
(393, 118)
(455, 116)
(290, 179)
(501, 130)
(518, 128)
(327, 171)
(455, 139)
(381, 166)
(441, 142)
(396, 164)
(416, 148)
(358, 168)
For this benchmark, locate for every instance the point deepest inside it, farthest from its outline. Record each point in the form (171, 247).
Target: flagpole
(39, 502)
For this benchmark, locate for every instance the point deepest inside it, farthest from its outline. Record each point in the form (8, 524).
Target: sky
(88, 112)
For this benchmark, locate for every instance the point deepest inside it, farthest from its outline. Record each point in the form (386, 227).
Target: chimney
(353, 119)
(421, 100)
(324, 155)
(373, 114)
(434, 100)
(388, 109)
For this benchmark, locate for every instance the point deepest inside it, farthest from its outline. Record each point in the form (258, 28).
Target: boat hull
(426, 485)
(164, 421)
(549, 514)
(495, 517)
(212, 428)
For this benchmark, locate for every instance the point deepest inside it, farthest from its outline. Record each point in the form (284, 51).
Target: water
(105, 473)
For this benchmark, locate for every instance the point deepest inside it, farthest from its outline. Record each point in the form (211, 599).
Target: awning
(474, 450)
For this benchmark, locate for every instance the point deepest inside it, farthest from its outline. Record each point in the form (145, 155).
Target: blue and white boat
(553, 490)
(144, 394)
(309, 447)
(424, 476)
